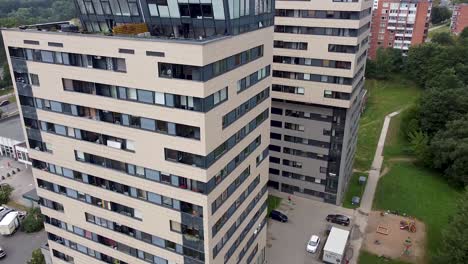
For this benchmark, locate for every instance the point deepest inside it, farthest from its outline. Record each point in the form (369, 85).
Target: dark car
(3, 103)
(278, 216)
(338, 219)
(2, 253)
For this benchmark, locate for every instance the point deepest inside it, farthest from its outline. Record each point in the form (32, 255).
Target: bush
(33, 222)
(37, 257)
(5, 192)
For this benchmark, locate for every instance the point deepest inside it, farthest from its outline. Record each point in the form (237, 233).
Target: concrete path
(361, 214)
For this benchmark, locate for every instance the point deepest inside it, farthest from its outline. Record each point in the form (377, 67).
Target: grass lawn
(273, 203)
(354, 189)
(396, 144)
(6, 91)
(12, 99)
(421, 193)
(444, 28)
(368, 258)
(384, 97)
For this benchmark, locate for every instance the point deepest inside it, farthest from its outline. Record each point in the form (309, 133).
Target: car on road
(5, 102)
(2, 253)
(278, 216)
(313, 244)
(338, 219)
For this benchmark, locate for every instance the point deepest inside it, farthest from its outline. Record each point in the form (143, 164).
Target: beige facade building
(151, 147)
(320, 50)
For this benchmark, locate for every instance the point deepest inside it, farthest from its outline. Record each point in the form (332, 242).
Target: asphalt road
(19, 246)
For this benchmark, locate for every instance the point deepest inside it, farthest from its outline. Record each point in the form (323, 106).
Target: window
(34, 79)
(47, 56)
(175, 226)
(119, 65)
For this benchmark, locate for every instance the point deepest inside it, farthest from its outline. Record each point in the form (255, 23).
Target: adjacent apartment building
(320, 50)
(399, 24)
(149, 144)
(459, 18)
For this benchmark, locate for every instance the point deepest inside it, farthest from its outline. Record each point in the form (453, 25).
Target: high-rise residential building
(149, 128)
(320, 50)
(399, 24)
(376, 4)
(459, 18)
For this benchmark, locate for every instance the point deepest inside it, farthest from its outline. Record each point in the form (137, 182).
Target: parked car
(5, 102)
(313, 244)
(338, 219)
(2, 253)
(278, 216)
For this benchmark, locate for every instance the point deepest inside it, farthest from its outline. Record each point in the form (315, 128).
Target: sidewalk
(361, 213)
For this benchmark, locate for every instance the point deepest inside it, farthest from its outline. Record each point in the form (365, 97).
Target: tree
(6, 81)
(418, 62)
(5, 192)
(37, 257)
(419, 145)
(440, 14)
(454, 246)
(33, 222)
(443, 38)
(464, 34)
(385, 64)
(439, 106)
(450, 149)
(445, 80)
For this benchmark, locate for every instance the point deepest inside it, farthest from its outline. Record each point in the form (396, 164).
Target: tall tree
(386, 62)
(37, 257)
(439, 106)
(454, 246)
(440, 14)
(443, 38)
(450, 149)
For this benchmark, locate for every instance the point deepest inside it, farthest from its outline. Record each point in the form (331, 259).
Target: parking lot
(21, 181)
(287, 241)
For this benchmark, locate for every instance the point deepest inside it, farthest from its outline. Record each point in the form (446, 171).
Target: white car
(313, 244)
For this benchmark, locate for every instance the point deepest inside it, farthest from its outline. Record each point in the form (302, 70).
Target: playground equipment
(406, 247)
(383, 230)
(408, 225)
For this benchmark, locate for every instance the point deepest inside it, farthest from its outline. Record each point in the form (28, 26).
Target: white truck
(9, 221)
(334, 249)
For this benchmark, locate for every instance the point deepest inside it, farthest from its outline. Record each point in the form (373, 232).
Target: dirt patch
(393, 244)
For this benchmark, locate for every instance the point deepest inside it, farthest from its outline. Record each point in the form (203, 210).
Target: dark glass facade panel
(312, 62)
(195, 20)
(206, 161)
(70, 59)
(210, 71)
(323, 14)
(322, 31)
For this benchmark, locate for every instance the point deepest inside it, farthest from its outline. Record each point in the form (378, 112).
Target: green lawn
(368, 258)
(384, 97)
(445, 28)
(273, 203)
(354, 189)
(6, 91)
(418, 192)
(396, 144)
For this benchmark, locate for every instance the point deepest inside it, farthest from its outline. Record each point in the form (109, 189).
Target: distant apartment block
(459, 18)
(320, 51)
(399, 24)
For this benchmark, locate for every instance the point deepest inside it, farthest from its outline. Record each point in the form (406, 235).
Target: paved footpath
(360, 215)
